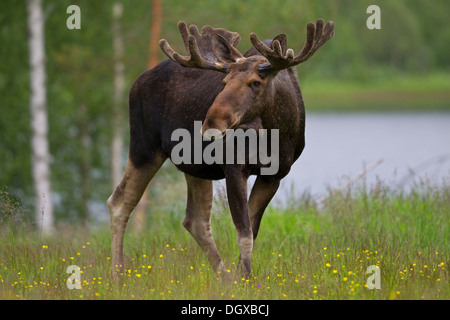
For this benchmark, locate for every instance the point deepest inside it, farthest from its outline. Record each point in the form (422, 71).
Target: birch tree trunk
(40, 160)
(118, 102)
(84, 164)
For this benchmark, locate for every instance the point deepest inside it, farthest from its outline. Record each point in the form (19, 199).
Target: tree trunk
(141, 208)
(118, 103)
(84, 167)
(40, 160)
(155, 33)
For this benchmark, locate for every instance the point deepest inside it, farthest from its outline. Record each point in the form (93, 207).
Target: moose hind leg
(198, 218)
(122, 202)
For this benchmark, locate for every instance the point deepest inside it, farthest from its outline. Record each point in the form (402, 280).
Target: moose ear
(223, 50)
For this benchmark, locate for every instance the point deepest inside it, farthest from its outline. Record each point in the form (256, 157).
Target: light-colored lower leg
(122, 202)
(197, 220)
(245, 243)
(236, 184)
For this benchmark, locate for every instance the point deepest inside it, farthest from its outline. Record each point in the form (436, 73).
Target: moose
(224, 89)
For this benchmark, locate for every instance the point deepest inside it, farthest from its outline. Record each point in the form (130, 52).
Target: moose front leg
(262, 192)
(197, 220)
(236, 183)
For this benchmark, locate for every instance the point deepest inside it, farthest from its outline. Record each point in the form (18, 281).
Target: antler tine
(316, 35)
(183, 29)
(259, 45)
(321, 35)
(202, 58)
(196, 59)
(194, 30)
(185, 61)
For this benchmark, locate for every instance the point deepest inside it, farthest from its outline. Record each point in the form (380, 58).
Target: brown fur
(247, 93)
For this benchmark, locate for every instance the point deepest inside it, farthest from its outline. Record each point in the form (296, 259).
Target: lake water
(398, 149)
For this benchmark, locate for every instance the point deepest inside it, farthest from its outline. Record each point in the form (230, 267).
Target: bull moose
(224, 89)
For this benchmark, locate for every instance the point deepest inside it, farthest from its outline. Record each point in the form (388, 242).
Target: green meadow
(388, 93)
(311, 249)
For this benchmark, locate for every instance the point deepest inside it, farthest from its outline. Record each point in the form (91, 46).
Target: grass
(429, 92)
(318, 249)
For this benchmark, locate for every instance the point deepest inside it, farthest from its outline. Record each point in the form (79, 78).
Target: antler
(201, 53)
(278, 58)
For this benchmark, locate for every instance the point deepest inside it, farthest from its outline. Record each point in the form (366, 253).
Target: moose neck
(284, 109)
